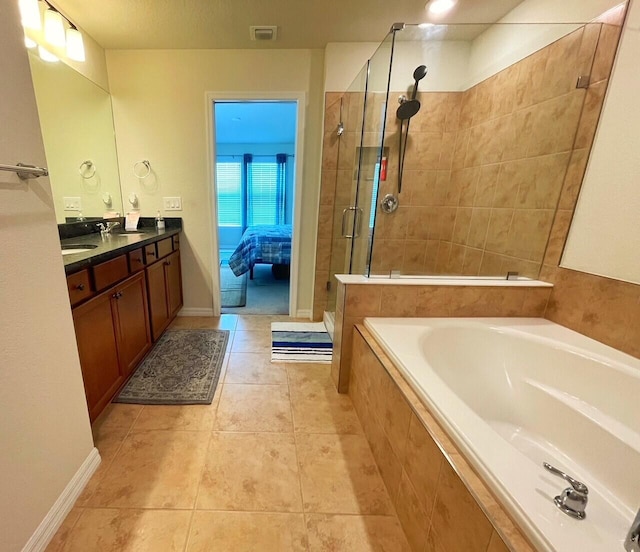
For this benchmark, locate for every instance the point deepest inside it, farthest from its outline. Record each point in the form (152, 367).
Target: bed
(269, 244)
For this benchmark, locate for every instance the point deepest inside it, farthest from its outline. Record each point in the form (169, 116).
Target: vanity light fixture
(75, 44)
(440, 7)
(59, 30)
(53, 27)
(46, 55)
(30, 14)
(29, 43)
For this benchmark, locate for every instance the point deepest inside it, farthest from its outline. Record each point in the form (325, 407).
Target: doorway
(254, 170)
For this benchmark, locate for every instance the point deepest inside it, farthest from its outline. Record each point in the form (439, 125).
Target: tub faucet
(573, 500)
(632, 542)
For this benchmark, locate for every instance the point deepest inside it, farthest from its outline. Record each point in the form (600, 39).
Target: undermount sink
(72, 248)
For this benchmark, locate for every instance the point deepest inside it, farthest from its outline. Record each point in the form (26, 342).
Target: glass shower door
(361, 165)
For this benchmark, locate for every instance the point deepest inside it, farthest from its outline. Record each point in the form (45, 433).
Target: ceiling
(255, 122)
(175, 24)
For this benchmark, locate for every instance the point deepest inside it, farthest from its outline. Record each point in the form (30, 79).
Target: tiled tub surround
(359, 297)
(507, 412)
(440, 501)
(466, 205)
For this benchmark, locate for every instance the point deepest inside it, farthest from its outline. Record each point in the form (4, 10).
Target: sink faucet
(105, 228)
(573, 500)
(632, 542)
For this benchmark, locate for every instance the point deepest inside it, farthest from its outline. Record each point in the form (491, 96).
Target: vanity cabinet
(120, 307)
(165, 292)
(113, 335)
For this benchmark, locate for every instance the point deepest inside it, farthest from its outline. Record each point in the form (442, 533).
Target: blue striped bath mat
(300, 342)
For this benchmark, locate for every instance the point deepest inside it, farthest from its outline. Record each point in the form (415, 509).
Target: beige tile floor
(277, 462)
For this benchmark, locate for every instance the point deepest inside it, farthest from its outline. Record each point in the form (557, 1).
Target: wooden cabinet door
(158, 306)
(174, 283)
(132, 322)
(96, 337)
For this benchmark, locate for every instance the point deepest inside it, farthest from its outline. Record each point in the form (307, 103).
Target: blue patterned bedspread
(262, 244)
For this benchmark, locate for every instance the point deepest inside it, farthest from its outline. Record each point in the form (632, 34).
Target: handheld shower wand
(407, 109)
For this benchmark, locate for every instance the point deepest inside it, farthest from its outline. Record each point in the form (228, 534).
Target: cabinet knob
(167, 263)
(117, 295)
(151, 254)
(80, 287)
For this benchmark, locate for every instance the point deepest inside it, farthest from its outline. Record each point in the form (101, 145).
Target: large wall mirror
(77, 128)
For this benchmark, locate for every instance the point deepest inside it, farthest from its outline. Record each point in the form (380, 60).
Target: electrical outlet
(172, 203)
(72, 204)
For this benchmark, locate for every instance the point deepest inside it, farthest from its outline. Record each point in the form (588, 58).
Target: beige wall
(44, 433)
(160, 115)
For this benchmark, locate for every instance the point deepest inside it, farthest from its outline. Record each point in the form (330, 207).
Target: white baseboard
(61, 507)
(329, 323)
(196, 312)
(303, 313)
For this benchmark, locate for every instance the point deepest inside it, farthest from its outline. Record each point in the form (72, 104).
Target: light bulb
(46, 55)
(29, 43)
(75, 44)
(53, 28)
(438, 7)
(30, 14)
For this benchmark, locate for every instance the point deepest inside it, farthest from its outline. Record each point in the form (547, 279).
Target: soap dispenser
(159, 221)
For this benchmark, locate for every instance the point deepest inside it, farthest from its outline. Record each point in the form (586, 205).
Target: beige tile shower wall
(436, 493)
(357, 301)
(484, 168)
(602, 308)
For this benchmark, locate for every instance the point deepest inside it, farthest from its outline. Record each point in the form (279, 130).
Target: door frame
(211, 98)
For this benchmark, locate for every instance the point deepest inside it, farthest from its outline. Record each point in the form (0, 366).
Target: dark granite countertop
(111, 245)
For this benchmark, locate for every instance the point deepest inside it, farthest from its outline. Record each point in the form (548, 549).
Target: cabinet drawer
(110, 272)
(164, 247)
(79, 286)
(136, 260)
(150, 253)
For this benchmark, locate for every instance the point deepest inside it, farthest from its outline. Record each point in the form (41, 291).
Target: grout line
(295, 446)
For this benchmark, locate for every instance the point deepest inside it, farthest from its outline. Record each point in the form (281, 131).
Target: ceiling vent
(264, 32)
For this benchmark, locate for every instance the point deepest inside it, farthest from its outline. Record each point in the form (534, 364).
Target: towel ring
(87, 166)
(146, 164)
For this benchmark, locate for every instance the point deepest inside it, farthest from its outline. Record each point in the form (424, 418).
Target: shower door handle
(344, 222)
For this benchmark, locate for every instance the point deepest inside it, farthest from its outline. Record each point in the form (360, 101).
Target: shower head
(407, 109)
(419, 73)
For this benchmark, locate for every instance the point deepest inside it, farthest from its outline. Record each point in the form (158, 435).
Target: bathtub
(513, 393)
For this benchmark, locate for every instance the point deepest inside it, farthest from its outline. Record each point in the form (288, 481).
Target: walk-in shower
(475, 184)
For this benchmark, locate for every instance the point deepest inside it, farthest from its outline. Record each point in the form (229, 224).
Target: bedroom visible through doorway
(255, 145)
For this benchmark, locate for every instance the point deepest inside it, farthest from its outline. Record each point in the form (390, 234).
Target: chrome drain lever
(573, 500)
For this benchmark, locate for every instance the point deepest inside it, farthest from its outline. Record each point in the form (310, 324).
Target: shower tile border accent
(435, 491)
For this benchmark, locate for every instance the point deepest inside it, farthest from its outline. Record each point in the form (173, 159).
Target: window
(254, 183)
(229, 183)
(262, 193)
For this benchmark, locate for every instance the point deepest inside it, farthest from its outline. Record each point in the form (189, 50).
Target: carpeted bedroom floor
(265, 294)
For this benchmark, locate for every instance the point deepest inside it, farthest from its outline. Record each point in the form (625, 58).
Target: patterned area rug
(300, 342)
(183, 368)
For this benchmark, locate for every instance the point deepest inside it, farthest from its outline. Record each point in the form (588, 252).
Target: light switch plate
(72, 204)
(172, 203)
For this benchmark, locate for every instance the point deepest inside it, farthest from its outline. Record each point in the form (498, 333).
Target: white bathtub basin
(513, 393)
